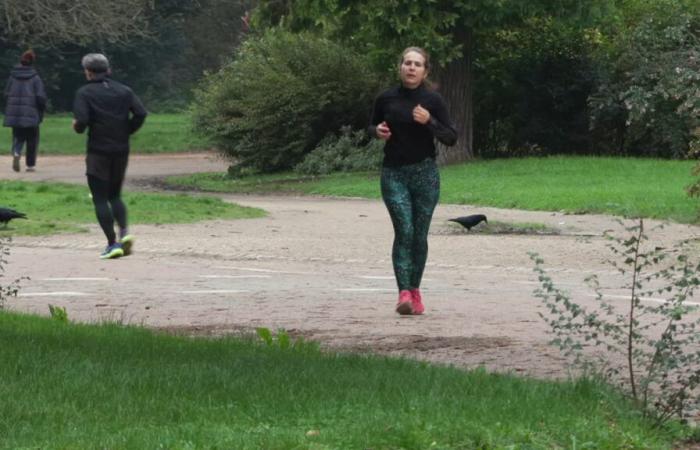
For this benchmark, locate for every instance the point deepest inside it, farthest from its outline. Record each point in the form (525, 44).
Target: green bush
(352, 151)
(650, 350)
(280, 96)
(647, 102)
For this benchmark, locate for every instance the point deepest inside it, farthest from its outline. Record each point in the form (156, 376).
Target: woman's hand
(421, 115)
(383, 131)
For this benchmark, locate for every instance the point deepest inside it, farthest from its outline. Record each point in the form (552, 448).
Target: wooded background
(613, 77)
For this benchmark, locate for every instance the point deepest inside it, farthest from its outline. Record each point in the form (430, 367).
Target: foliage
(11, 289)
(182, 41)
(283, 341)
(532, 85)
(283, 93)
(652, 352)
(352, 151)
(526, 65)
(694, 188)
(648, 102)
(58, 313)
(397, 24)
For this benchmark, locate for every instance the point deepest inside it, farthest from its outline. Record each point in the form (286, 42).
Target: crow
(470, 221)
(7, 214)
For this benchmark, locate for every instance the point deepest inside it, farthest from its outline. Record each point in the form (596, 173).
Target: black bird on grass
(7, 214)
(470, 221)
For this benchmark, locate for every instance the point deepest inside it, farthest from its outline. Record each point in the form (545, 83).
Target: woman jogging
(408, 118)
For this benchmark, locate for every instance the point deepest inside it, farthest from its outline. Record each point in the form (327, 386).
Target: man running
(112, 113)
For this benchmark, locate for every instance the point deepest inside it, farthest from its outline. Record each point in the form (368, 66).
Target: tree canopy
(158, 48)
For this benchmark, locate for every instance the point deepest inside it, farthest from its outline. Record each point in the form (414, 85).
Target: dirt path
(320, 267)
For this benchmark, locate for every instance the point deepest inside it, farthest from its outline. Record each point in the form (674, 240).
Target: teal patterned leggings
(410, 194)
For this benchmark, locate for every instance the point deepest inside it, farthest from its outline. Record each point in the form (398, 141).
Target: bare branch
(53, 22)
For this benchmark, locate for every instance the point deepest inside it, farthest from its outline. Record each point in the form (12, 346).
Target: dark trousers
(106, 196)
(28, 136)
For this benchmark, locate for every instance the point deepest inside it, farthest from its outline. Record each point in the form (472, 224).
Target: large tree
(453, 31)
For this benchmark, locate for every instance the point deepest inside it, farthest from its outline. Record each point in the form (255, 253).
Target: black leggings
(109, 207)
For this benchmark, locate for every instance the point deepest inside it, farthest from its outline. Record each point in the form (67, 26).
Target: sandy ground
(321, 268)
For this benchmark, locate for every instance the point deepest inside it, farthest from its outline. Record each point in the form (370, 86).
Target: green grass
(629, 187)
(161, 133)
(87, 386)
(55, 208)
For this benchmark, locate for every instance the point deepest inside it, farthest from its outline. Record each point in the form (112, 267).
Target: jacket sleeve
(81, 112)
(41, 99)
(138, 114)
(376, 118)
(440, 124)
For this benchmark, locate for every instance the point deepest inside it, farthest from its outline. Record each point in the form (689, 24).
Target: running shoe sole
(127, 244)
(115, 253)
(404, 308)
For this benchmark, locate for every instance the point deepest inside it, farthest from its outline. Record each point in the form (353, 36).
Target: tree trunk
(455, 85)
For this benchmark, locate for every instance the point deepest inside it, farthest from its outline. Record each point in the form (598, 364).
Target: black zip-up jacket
(26, 98)
(410, 141)
(111, 111)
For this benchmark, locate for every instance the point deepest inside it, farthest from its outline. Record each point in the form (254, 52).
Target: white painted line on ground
(216, 291)
(373, 277)
(646, 299)
(365, 290)
(52, 294)
(556, 283)
(235, 276)
(251, 269)
(246, 268)
(75, 279)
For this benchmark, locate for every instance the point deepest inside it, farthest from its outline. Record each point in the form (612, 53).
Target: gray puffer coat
(26, 98)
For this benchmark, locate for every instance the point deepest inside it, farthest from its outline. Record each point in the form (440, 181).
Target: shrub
(280, 96)
(352, 151)
(11, 289)
(652, 351)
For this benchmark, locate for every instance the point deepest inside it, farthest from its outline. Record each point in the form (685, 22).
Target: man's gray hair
(95, 62)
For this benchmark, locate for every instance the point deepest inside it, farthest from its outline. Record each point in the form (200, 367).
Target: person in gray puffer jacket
(24, 111)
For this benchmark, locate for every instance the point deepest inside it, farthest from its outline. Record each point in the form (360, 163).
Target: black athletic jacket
(411, 142)
(111, 111)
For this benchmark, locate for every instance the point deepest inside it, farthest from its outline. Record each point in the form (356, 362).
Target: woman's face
(412, 70)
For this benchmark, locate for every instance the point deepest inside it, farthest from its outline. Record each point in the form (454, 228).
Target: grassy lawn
(621, 186)
(55, 208)
(109, 386)
(160, 133)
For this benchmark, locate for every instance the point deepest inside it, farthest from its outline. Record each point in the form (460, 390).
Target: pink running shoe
(417, 302)
(405, 304)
